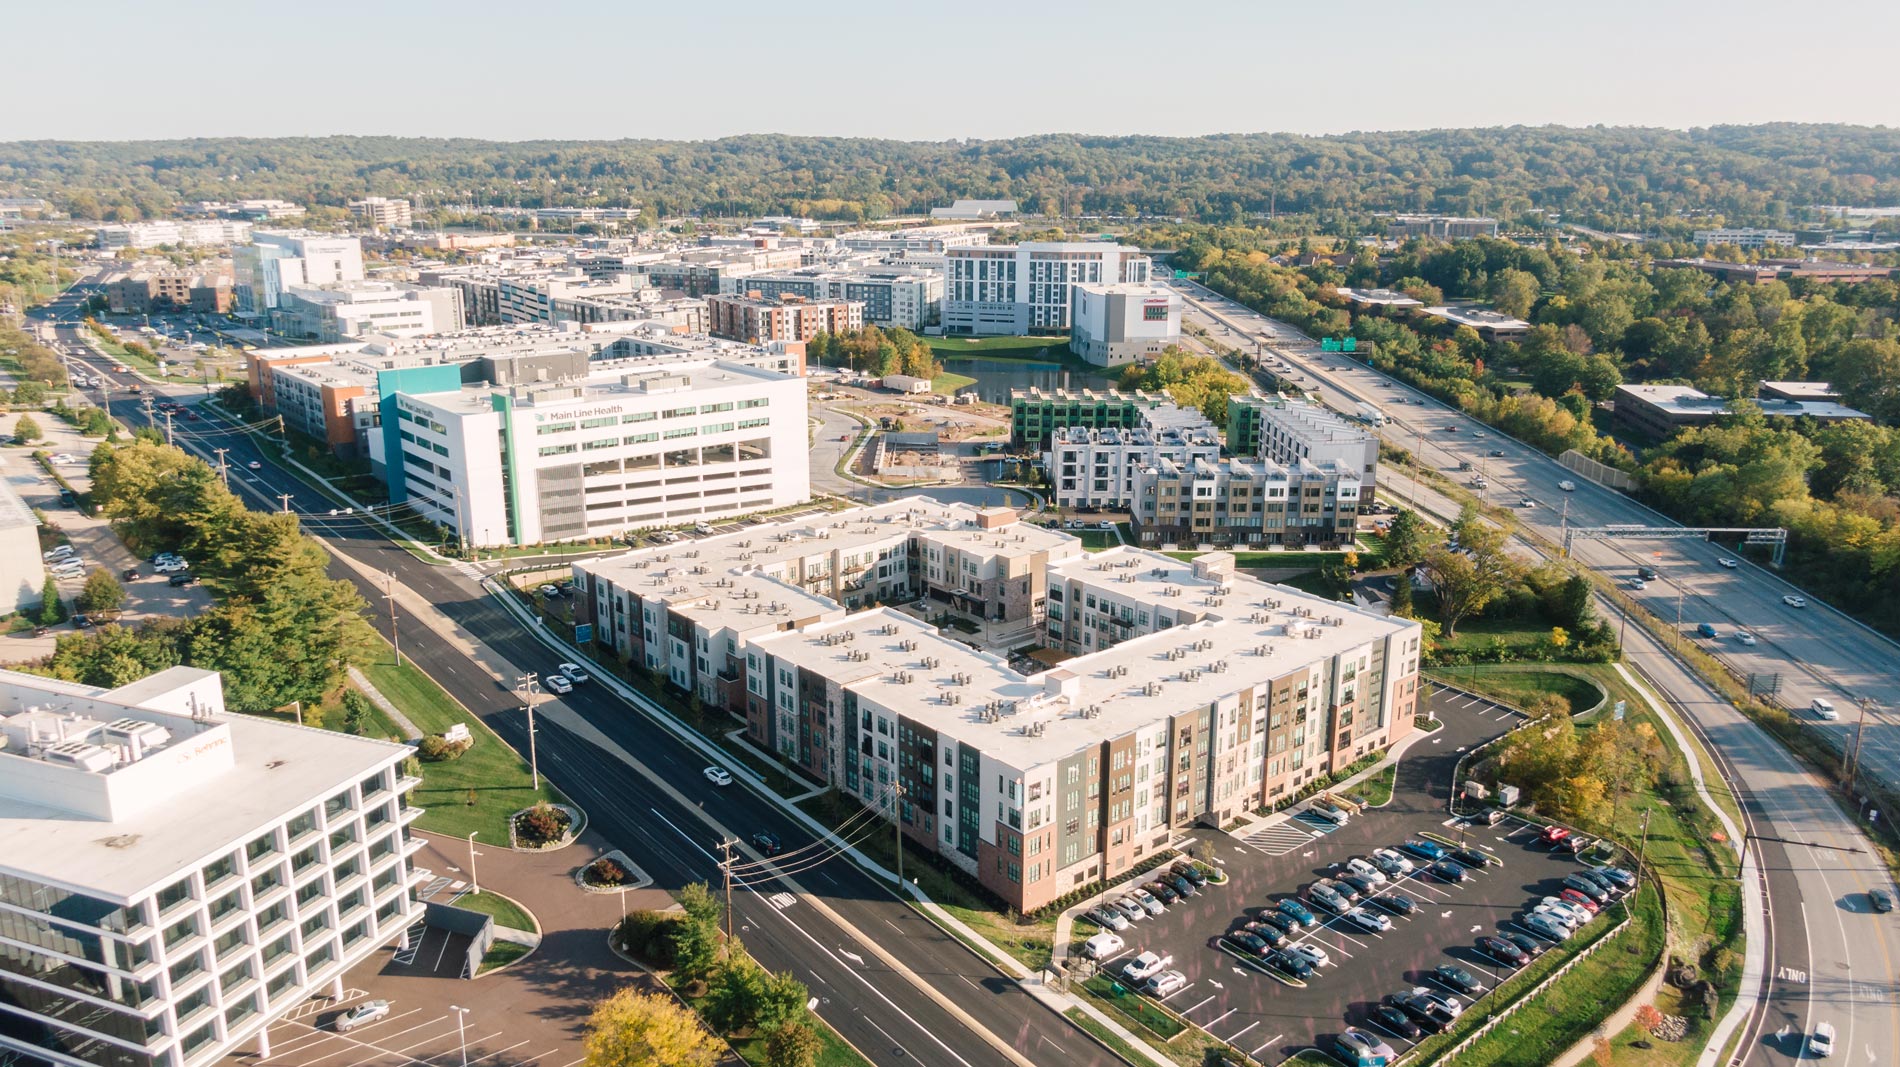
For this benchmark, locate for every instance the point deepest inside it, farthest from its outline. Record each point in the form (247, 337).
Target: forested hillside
(1600, 175)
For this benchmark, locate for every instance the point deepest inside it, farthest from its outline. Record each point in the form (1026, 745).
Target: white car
(1164, 984)
(254, 465)
(1795, 601)
(1145, 966)
(717, 775)
(62, 552)
(1744, 637)
(1370, 921)
(1574, 914)
(170, 566)
(1821, 1042)
(1365, 870)
(1638, 583)
(556, 683)
(1312, 953)
(1107, 916)
(1567, 486)
(1148, 901)
(362, 1015)
(63, 457)
(1102, 945)
(1727, 562)
(1130, 908)
(573, 672)
(1527, 502)
(1391, 862)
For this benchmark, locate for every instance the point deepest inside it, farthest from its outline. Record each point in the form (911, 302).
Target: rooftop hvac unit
(80, 754)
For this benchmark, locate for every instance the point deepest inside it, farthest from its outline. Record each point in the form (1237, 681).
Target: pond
(996, 377)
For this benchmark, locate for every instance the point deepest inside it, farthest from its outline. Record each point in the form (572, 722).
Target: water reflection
(996, 377)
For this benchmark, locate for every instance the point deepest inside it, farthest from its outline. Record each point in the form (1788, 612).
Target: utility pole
(285, 497)
(527, 684)
(725, 867)
(1851, 762)
(224, 468)
(1563, 525)
(168, 428)
(389, 595)
(1678, 616)
(897, 822)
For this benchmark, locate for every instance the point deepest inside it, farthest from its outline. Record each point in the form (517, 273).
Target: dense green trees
(1599, 175)
(282, 629)
(875, 351)
(1198, 382)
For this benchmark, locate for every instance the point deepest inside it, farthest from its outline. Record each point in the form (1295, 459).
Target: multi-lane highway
(1826, 958)
(944, 1007)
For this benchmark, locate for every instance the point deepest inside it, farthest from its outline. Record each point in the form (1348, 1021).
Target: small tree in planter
(605, 872)
(543, 824)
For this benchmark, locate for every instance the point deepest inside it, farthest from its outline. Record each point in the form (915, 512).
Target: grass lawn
(1136, 1010)
(1519, 684)
(506, 912)
(1103, 1034)
(834, 1051)
(1378, 789)
(490, 773)
(1050, 349)
(501, 954)
(947, 383)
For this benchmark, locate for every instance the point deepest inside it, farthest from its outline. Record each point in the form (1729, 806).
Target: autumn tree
(635, 1029)
(793, 1045)
(1405, 539)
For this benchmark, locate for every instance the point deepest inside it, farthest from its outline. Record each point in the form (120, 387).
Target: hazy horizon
(589, 70)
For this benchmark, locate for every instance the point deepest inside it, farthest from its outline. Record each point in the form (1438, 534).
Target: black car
(1588, 887)
(1530, 946)
(1396, 903)
(1502, 951)
(1394, 1020)
(178, 580)
(1189, 871)
(1272, 935)
(1163, 891)
(1476, 859)
(81, 622)
(768, 843)
(1361, 883)
(1447, 871)
(1602, 881)
(1181, 885)
(1425, 1016)
(1288, 963)
(1248, 944)
(130, 574)
(1454, 977)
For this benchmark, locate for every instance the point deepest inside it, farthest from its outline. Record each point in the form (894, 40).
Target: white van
(1822, 709)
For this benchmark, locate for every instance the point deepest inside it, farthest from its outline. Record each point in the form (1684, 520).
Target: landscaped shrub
(605, 872)
(543, 824)
(435, 748)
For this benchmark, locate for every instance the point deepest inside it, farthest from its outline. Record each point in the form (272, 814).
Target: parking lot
(1269, 1014)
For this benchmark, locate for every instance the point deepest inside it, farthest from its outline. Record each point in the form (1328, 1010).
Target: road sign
(1617, 712)
(583, 632)
(1339, 344)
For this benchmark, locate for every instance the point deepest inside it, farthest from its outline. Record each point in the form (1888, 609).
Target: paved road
(1828, 959)
(673, 826)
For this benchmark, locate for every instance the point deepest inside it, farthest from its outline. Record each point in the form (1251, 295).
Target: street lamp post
(461, 1034)
(475, 880)
(528, 684)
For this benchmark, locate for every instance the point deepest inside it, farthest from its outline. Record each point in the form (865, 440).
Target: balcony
(409, 815)
(407, 782)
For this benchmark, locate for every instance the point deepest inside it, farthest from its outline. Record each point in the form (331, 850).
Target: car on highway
(255, 465)
(1638, 583)
(1821, 1042)
(1647, 574)
(1745, 637)
(1497, 453)
(1102, 946)
(362, 1015)
(1727, 562)
(1145, 966)
(556, 683)
(1795, 601)
(1527, 502)
(1879, 900)
(717, 776)
(1369, 921)
(767, 843)
(1823, 708)
(1567, 486)
(573, 672)
(1164, 984)
(1704, 629)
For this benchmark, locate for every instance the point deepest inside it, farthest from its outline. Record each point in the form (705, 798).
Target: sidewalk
(409, 729)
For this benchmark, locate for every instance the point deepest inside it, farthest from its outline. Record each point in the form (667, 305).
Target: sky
(928, 71)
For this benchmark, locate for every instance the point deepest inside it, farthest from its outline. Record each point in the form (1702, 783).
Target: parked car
(178, 581)
(1391, 862)
(767, 843)
(1475, 858)
(1394, 1021)
(1312, 953)
(1248, 944)
(1553, 834)
(1164, 984)
(557, 683)
(1186, 869)
(1579, 899)
(1180, 885)
(1298, 912)
(1422, 1013)
(1616, 876)
(717, 775)
(1547, 928)
(1288, 963)
(1279, 920)
(1419, 848)
(1268, 932)
(1147, 901)
(1106, 917)
(362, 1015)
(1129, 908)
(1145, 966)
(1361, 1049)
(130, 574)
(1327, 897)
(58, 553)
(1369, 921)
(549, 590)
(1587, 887)
(1502, 951)
(1446, 1003)
(1360, 885)
(1102, 945)
(1366, 870)
(1447, 871)
(1332, 813)
(1396, 903)
(1164, 891)
(1530, 946)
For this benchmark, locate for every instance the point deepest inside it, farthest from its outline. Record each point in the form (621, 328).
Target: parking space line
(1203, 1003)
(497, 1052)
(1269, 1043)
(531, 1059)
(1216, 1021)
(1236, 1034)
(1179, 991)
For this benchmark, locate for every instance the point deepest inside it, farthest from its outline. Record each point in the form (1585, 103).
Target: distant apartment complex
(1245, 503)
(527, 296)
(173, 234)
(141, 292)
(1191, 693)
(339, 311)
(927, 240)
(1744, 237)
(1447, 227)
(754, 319)
(1116, 324)
(1035, 415)
(177, 877)
(383, 213)
(1025, 288)
(276, 260)
(1292, 432)
(1094, 466)
(892, 295)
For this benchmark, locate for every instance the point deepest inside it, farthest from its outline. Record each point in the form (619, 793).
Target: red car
(1581, 900)
(1554, 834)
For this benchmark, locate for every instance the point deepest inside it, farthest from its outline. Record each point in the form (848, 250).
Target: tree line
(1606, 177)
(876, 352)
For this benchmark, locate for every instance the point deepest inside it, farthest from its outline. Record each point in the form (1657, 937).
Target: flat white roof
(277, 770)
(1381, 297)
(1478, 317)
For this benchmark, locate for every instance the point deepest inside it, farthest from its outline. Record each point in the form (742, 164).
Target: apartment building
(175, 878)
(1245, 504)
(1194, 693)
(1035, 416)
(1444, 227)
(277, 260)
(755, 319)
(928, 240)
(636, 443)
(332, 313)
(21, 573)
(1291, 431)
(893, 295)
(1113, 325)
(1025, 288)
(1096, 468)
(1745, 237)
(140, 292)
(184, 233)
(706, 271)
(383, 213)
